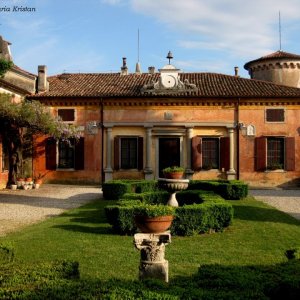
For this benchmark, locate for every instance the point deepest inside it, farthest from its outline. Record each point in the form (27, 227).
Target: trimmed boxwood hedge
(115, 189)
(202, 211)
(155, 197)
(228, 189)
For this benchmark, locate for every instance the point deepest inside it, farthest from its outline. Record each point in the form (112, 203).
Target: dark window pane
(66, 154)
(210, 153)
(66, 114)
(129, 153)
(275, 153)
(275, 115)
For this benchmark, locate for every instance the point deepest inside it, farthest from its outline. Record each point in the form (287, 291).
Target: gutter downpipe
(238, 139)
(102, 140)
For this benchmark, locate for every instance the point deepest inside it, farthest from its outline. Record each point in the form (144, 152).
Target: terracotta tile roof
(116, 85)
(275, 55)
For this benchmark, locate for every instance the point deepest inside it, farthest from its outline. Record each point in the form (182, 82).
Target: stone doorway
(169, 153)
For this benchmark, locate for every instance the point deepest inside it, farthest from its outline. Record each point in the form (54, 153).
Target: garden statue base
(152, 262)
(173, 186)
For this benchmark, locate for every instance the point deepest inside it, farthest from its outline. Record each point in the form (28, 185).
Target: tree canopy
(5, 65)
(34, 116)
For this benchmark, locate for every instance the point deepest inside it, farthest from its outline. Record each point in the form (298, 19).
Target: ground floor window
(128, 152)
(210, 153)
(64, 154)
(275, 153)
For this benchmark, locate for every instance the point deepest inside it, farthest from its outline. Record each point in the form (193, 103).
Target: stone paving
(285, 200)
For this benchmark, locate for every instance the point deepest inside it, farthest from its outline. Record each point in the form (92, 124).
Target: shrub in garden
(201, 218)
(156, 197)
(230, 190)
(115, 189)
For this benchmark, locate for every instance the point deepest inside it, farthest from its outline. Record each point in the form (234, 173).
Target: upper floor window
(275, 115)
(66, 114)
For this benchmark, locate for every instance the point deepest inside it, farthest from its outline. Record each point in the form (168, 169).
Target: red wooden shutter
(140, 153)
(50, 154)
(79, 154)
(290, 154)
(260, 153)
(224, 153)
(116, 153)
(196, 153)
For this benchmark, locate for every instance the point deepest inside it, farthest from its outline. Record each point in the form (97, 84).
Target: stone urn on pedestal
(173, 183)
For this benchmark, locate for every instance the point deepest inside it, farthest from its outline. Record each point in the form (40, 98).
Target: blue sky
(94, 35)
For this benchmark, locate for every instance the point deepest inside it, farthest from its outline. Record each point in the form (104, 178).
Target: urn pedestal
(173, 186)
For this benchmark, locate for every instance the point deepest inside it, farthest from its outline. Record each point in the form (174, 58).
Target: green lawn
(259, 236)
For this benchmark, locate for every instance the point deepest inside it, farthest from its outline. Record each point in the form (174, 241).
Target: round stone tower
(279, 67)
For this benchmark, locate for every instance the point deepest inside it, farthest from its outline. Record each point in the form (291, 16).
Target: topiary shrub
(115, 189)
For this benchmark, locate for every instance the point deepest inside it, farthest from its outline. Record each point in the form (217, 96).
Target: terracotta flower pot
(38, 181)
(154, 224)
(175, 175)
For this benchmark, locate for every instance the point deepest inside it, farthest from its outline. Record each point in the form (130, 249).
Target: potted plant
(38, 179)
(153, 218)
(173, 172)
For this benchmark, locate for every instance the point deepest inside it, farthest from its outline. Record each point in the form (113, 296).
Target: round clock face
(168, 81)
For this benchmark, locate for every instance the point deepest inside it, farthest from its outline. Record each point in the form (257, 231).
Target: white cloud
(238, 27)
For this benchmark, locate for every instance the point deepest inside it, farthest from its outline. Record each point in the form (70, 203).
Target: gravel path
(20, 208)
(284, 200)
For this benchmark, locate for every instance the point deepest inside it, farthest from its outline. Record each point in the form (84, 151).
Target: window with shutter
(275, 153)
(290, 154)
(66, 154)
(79, 154)
(210, 153)
(260, 153)
(128, 153)
(196, 153)
(50, 150)
(224, 153)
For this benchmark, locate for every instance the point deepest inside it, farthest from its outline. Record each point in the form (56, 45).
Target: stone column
(188, 171)
(148, 170)
(231, 174)
(152, 262)
(108, 169)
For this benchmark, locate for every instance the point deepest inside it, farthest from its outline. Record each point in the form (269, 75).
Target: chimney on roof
(236, 71)
(151, 70)
(138, 68)
(43, 84)
(124, 68)
(5, 49)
